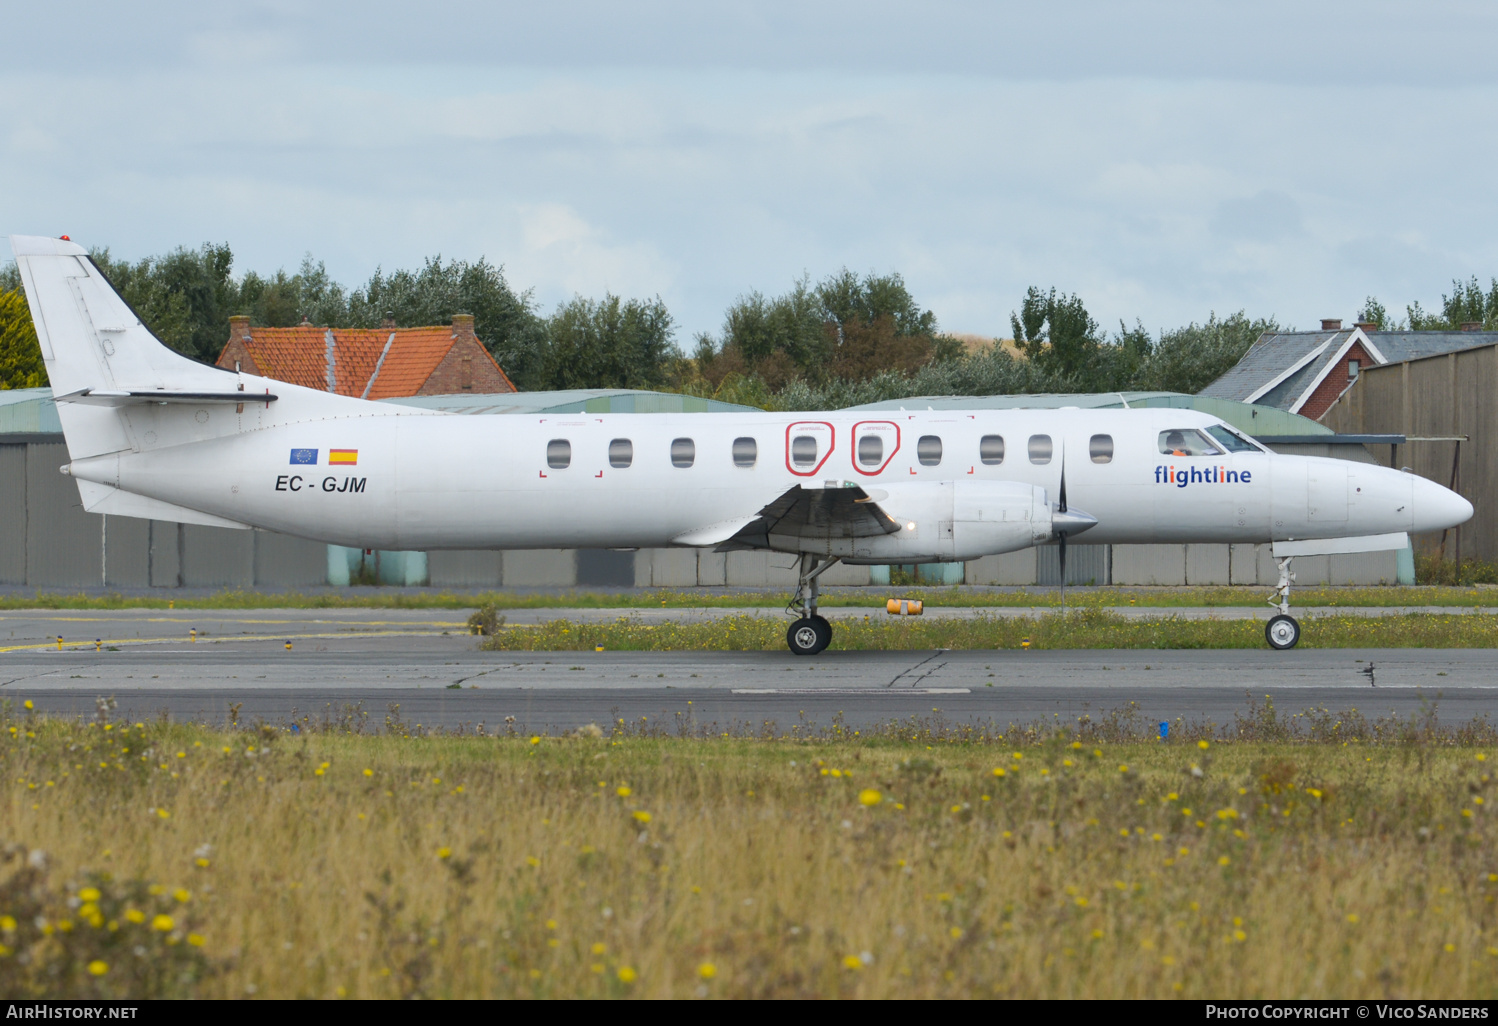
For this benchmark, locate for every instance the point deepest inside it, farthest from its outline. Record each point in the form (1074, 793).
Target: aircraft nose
(1436, 508)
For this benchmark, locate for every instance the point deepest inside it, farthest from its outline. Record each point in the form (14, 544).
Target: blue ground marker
(1164, 730)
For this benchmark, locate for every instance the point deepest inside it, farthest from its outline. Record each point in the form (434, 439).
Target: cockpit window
(1187, 442)
(1231, 440)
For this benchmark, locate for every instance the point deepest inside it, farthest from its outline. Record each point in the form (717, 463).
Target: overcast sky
(1163, 160)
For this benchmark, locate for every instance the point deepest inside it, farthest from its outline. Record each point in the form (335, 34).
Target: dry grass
(1077, 629)
(917, 862)
(397, 598)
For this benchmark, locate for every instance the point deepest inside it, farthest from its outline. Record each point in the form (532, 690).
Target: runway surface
(371, 659)
(23, 628)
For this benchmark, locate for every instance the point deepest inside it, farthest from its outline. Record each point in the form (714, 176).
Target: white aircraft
(154, 434)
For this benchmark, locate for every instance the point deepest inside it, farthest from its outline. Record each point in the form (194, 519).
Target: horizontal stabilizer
(111, 501)
(147, 396)
(1339, 546)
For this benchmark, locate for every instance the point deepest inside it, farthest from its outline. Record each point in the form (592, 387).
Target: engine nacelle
(945, 522)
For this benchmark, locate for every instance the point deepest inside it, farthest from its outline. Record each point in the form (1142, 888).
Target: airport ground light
(1319, 856)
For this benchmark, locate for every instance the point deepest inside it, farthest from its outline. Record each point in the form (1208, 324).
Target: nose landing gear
(1283, 630)
(811, 633)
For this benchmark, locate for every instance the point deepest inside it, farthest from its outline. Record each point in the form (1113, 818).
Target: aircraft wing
(814, 513)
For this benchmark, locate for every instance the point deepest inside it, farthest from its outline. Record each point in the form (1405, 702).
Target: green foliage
(1076, 629)
(20, 354)
(185, 296)
(95, 938)
(1439, 570)
(609, 343)
(1467, 304)
(1189, 359)
(843, 329)
(504, 320)
(1058, 335)
(1373, 312)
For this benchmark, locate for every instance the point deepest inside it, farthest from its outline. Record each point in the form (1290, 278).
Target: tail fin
(93, 342)
(118, 388)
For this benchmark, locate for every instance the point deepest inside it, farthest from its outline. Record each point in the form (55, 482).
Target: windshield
(1187, 442)
(1231, 440)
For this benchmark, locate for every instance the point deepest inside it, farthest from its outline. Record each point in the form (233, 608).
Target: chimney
(388, 323)
(1331, 324)
(1367, 326)
(463, 327)
(1471, 325)
(239, 326)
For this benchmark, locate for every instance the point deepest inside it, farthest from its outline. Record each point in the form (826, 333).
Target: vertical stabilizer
(92, 341)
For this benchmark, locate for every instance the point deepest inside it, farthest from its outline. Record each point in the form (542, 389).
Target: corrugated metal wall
(1448, 395)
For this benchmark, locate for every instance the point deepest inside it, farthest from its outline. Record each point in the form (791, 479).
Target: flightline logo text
(1183, 476)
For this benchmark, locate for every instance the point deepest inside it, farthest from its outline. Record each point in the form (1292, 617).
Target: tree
(505, 321)
(20, 353)
(1373, 313)
(1059, 336)
(845, 326)
(185, 296)
(609, 343)
(1191, 358)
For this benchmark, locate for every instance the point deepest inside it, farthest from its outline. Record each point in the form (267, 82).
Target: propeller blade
(1063, 559)
(1062, 507)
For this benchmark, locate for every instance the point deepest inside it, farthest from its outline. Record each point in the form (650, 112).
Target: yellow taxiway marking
(74, 646)
(237, 619)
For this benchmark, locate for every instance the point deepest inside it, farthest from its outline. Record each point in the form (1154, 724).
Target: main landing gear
(1283, 630)
(810, 633)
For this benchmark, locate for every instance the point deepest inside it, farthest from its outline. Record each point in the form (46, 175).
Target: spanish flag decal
(349, 456)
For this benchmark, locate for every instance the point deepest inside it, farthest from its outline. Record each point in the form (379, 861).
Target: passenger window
(804, 451)
(871, 450)
(621, 453)
(1100, 448)
(1040, 448)
(683, 452)
(928, 450)
(991, 450)
(558, 454)
(745, 452)
(1187, 442)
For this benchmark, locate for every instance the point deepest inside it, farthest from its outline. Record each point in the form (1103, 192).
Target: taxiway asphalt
(369, 660)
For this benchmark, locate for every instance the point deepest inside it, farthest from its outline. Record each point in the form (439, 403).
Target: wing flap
(819, 513)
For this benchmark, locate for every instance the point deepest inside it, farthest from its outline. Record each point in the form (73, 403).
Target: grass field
(699, 598)
(1081, 629)
(1312, 856)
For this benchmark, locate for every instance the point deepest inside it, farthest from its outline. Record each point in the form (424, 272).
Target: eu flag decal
(304, 457)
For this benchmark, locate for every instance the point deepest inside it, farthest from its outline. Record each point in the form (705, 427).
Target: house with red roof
(370, 363)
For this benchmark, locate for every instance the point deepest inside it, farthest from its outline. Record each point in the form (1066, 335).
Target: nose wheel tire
(1282, 632)
(809, 635)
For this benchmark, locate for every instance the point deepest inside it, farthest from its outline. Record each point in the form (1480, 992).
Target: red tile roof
(416, 353)
(300, 355)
